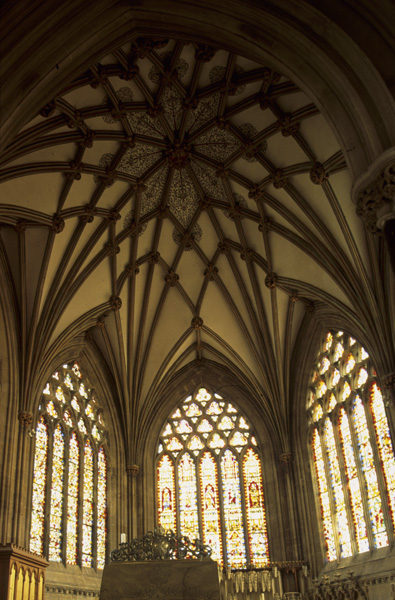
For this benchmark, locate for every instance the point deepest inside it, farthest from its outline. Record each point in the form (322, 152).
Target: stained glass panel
(361, 533)
(384, 444)
(256, 519)
(55, 517)
(329, 537)
(101, 507)
(369, 472)
(87, 506)
(187, 493)
(166, 494)
(39, 481)
(211, 523)
(234, 531)
(72, 500)
(343, 530)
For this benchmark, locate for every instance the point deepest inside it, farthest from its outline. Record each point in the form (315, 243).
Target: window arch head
(69, 473)
(209, 479)
(353, 462)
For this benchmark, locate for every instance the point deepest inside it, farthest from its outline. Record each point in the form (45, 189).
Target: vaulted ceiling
(177, 202)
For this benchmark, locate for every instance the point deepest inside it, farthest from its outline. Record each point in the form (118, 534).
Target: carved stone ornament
(210, 271)
(278, 179)
(318, 174)
(88, 214)
(57, 223)
(375, 194)
(160, 545)
(197, 323)
(25, 418)
(388, 384)
(286, 459)
(115, 303)
(132, 470)
(172, 278)
(271, 280)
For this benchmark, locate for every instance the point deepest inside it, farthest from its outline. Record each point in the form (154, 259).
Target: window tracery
(352, 449)
(209, 480)
(69, 473)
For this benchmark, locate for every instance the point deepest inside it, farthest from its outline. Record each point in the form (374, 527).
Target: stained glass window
(205, 453)
(350, 443)
(70, 471)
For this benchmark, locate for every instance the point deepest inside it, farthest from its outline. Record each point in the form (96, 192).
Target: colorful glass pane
(364, 354)
(76, 370)
(203, 395)
(384, 444)
(317, 412)
(256, 519)
(195, 443)
(72, 500)
(321, 388)
(323, 494)
(225, 423)
(167, 431)
(346, 391)
(82, 391)
(60, 395)
(216, 441)
(193, 411)
(234, 531)
(101, 531)
(90, 412)
(332, 402)
(87, 506)
(176, 414)
(343, 530)
(56, 509)
(47, 389)
(82, 426)
(68, 381)
(361, 533)
(211, 523)
(184, 427)
(39, 481)
(51, 410)
(369, 472)
(362, 377)
(205, 426)
(338, 353)
(75, 404)
(335, 377)
(324, 365)
(350, 363)
(174, 444)
(243, 424)
(328, 341)
(67, 418)
(96, 433)
(187, 494)
(166, 494)
(214, 409)
(238, 439)
(231, 408)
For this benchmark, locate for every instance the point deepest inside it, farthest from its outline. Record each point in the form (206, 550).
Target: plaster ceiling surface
(177, 202)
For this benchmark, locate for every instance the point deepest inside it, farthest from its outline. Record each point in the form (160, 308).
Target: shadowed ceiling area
(174, 203)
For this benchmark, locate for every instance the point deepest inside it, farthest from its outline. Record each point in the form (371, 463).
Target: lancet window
(352, 450)
(70, 473)
(209, 480)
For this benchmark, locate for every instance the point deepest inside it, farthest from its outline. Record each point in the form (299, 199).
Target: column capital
(374, 192)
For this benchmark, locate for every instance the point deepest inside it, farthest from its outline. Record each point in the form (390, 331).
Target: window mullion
(217, 458)
(244, 510)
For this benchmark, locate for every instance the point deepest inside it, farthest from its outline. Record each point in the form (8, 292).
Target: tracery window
(352, 450)
(209, 480)
(70, 473)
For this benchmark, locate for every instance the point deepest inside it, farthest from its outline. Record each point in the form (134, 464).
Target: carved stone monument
(147, 569)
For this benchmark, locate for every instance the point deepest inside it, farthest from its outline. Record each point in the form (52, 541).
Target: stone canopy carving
(160, 545)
